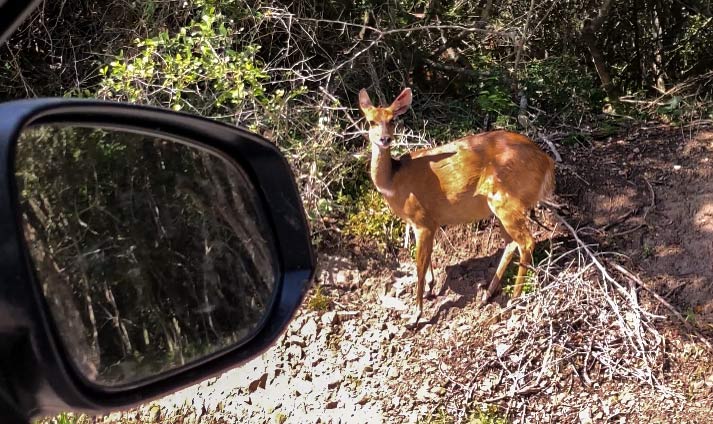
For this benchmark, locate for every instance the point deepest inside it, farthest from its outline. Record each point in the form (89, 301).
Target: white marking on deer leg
(385, 191)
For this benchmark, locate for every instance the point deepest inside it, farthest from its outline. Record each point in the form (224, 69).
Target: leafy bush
(210, 67)
(493, 97)
(561, 85)
(199, 69)
(371, 219)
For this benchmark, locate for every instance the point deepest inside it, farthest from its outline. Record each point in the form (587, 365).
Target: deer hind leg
(494, 287)
(424, 247)
(431, 282)
(526, 248)
(516, 226)
(512, 216)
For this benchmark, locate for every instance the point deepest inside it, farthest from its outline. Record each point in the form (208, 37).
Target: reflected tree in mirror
(150, 253)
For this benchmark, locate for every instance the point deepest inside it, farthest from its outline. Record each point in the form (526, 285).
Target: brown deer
(497, 172)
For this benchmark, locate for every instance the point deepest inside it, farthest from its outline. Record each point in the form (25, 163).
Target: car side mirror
(143, 250)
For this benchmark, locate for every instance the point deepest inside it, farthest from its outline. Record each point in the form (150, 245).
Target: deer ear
(364, 100)
(402, 102)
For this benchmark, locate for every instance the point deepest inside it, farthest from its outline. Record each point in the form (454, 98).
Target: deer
(499, 173)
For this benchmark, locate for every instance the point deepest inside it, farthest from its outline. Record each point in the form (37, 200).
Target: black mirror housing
(36, 374)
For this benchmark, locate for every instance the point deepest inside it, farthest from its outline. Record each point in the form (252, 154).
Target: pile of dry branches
(584, 326)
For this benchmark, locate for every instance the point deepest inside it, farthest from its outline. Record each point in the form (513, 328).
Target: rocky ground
(344, 358)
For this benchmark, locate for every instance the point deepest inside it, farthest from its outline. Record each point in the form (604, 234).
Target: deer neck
(382, 172)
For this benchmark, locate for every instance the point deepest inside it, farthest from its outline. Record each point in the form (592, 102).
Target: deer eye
(372, 123)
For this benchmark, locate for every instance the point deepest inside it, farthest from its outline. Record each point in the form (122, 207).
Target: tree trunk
(657, 65)
(589, 30)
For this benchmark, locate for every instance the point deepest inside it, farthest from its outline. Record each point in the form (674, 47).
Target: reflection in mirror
(150, 253)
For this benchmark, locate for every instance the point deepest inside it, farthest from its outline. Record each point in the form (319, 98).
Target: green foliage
(486, 414)
(694, 41)
(673, 109)
(493, 97)
(679, 109)
(280, 417)
(370, 218)
(291, 70)
(211, 67)
(439, 417)
(358, 183)
(65, 418)
(449, 120)
(351, 182)
(200, 68)
(561, 85)
(647, 251)
(489, 95)
(319, 301)
(690, 314)
(608, 128)
(530, 284)
(576, 137)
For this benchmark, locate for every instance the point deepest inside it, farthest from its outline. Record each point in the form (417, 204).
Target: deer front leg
(407, 241)
(407, 236)
(424, 247)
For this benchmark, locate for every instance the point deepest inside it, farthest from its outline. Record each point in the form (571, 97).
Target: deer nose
(384, 141)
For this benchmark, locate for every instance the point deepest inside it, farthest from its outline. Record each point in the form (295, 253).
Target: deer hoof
(413, 320)
(484, 299)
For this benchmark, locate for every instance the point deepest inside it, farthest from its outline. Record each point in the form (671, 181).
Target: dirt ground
(646, 194)
(661, 181)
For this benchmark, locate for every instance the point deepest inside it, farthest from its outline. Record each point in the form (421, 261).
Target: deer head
(381, 119)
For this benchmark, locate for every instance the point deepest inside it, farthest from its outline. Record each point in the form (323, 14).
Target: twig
(673, 290)
(652, 205)
(664, 302)
(527, 390)
(618, 220)
(552, 147)
(629, 231)
(570, 169)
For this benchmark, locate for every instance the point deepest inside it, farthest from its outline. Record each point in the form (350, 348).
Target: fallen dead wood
(583, 325)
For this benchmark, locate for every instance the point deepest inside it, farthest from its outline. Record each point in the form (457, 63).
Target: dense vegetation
(291, 70)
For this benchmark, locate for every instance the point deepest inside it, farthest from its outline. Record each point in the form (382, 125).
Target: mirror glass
(150, 253)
